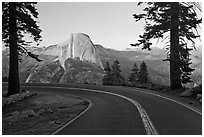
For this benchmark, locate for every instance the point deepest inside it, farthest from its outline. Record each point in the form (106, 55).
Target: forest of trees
(113, 75)
(18, 20)
(41, 108)
(177, 23)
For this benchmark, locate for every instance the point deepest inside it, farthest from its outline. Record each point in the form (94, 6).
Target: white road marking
(139, 90)
(182, 104)
(69, 122)
(148, 125)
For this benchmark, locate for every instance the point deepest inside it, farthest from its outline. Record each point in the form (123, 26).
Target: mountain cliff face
(77, 46)
(72, 61)
(78, 60)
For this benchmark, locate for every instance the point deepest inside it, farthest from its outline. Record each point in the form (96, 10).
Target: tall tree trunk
(175, 72)
(13, 81)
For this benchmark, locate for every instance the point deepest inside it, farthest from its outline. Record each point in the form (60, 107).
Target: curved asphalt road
(114, 115)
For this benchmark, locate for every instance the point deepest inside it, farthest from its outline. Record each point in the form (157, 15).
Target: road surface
(112, 115)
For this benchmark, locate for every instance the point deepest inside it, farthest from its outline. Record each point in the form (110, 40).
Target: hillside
(78, 60)
(158, 69)
(72, 61)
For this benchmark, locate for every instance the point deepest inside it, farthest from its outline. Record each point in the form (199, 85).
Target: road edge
(148, 125)
(69, 122)
(167, 98)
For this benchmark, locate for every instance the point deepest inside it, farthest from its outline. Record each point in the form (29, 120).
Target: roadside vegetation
(139, 78)
(176, 24)
(38, 113)
(19, 19)
(43, 113)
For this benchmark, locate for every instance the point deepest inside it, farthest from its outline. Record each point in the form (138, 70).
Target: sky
(110, 24)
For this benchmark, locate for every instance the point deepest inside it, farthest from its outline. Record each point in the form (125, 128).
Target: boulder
(49, 110)
(16, 97)
(15, 113)
(6, 101)
(28, 113)
(41, 111)
(199, 96)
(186, 93)
(26, 94)
(13, 116)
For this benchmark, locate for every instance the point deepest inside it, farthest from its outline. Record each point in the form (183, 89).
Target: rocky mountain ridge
(78, 60)
(72, 61)
(158, 69)
(78, 45)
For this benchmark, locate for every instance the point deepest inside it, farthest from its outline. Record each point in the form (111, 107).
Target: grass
(41, 114)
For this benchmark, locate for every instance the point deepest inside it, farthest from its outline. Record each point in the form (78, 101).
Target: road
(112, 115)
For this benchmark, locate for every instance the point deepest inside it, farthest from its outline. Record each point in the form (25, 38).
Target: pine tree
(133, 77)
(107, 79)
(123, 81)
(116, 73)
(143, 73)
(181, 22)
(18, 20)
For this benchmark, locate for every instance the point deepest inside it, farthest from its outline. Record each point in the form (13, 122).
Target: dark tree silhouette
(107, 79)
(143, 73)
(178, 19)
(18, 20)
(116, 73)
(133, 77)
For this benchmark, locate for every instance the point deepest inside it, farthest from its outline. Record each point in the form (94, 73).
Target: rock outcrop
(77, 60)
(72, 61)
(77, 46)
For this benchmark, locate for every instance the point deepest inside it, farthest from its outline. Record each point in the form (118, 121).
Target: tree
(107, 79)
(178, 19)
(18, 20)
(133, 77)
(116, 73)
(143, 73)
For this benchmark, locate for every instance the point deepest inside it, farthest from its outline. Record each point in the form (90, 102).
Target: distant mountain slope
(75, 71)
(158, 69)
(72, 61)
(78, 60)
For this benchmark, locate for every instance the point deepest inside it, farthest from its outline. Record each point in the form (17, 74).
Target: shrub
(85, 82)
(197, 90)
